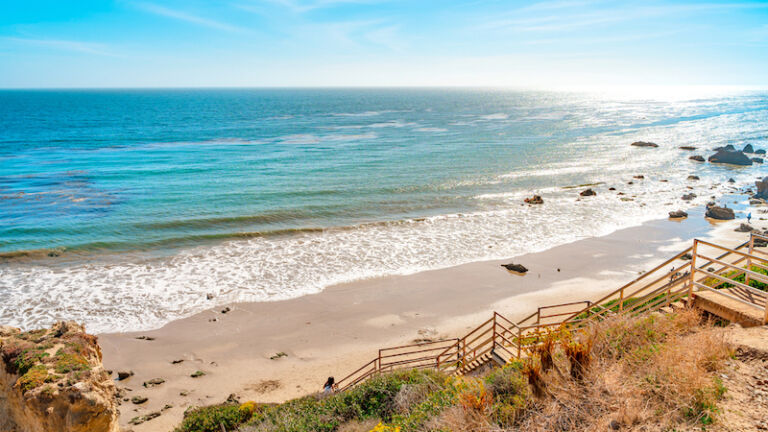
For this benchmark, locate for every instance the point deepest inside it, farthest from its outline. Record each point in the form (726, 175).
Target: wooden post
(538, 316)
(749, 260)
(621, 300)
(693, 272)
(519, 342)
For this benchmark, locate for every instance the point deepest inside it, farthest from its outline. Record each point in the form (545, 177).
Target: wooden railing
(665, 285)
(414, 356)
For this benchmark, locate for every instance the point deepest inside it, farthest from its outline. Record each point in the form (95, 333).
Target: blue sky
(559, 43)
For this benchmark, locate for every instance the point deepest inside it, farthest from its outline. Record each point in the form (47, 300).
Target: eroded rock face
(52, 380)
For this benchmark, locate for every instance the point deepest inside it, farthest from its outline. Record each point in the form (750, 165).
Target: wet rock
(197, 374)
(678, 214)
(517, 268)
(644, 144)
(536, 199)
(690, 148)
(686, 257)
(689, 196)
(730, 157)
(744, 228)
(720, 213)
(225, 310)
(731, 180)
(147, 338)
(729, 147)
(748, 149)
(611, 188)
(697, 158)
(639, 177)
(762, 189)
(693, 177)
(588, 192)
(757, 160)
(760, 152)
(209, 296)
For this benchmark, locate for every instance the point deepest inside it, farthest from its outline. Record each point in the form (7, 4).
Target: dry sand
(334, 332)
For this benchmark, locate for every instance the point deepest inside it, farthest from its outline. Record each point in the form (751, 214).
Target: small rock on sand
(122, 375)
(693, 177)
(517, 268)
(588, 192)
(744, 228)
(153, 382)
(177, 361)
(138, 400)
(690, 148)
(197, 374)
(697, 158)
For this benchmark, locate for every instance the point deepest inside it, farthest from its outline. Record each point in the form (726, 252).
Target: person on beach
(330, 386)
(749, 217)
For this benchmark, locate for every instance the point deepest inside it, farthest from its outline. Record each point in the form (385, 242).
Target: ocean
(126, 209)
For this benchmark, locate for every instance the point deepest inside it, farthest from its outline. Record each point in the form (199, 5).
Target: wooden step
(666, 309)
(678, 305)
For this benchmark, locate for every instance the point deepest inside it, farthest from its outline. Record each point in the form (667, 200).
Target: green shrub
(210, 419)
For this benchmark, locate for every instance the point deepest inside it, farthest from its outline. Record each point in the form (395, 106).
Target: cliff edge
(53, 380)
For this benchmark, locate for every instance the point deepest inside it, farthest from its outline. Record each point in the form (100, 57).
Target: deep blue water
(266, 194)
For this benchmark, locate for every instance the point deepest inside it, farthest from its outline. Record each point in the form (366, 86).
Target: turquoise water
(113, 202)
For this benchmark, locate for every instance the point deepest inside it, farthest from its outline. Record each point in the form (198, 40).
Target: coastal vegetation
(659, 371)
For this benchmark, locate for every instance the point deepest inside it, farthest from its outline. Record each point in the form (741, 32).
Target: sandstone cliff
(52, 380)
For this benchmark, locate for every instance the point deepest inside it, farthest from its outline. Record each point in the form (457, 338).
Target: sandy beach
(273, 351)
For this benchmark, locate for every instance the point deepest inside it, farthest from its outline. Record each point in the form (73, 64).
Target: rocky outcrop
(762, 189)
(678, 214)
(697, 158)
(729, 147)
(688, 197)
(52, 380)
(536, 199)
(760, 152)
(730, 157)
(757, 160)
(644, 144)
(748, 149)
(720, 213)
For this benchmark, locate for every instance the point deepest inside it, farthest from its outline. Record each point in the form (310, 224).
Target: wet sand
(334, 332)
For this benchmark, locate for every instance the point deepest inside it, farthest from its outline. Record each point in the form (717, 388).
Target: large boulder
(730, 157)
(762, 189)
(720, 213)
(644, 144)
(760, 152)
(52, 380)
(748, 149)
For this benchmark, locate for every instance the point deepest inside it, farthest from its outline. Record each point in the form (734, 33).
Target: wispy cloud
(190, 18)
(65, 45)
(301, 6)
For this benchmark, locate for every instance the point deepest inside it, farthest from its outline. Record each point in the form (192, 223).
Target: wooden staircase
(705, 281)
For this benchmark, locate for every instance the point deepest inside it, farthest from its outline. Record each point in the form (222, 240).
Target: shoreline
(332, 332)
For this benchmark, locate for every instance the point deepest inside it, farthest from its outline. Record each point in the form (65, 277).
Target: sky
(316, 43)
